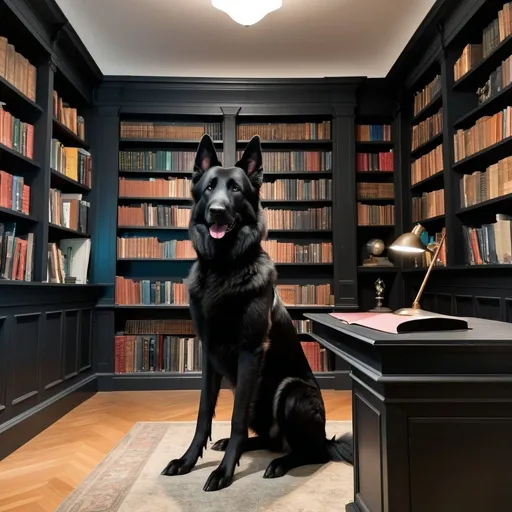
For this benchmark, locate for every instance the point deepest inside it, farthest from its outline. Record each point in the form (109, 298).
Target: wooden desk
(432, 416)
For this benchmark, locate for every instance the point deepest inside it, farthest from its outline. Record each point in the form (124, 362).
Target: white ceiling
(305, 38)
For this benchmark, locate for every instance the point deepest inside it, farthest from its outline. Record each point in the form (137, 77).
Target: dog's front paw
(221, 445)
(276, 469)
(178, 467)
(219, 479)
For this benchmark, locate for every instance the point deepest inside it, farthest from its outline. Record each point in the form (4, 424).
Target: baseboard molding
(338, 380)
(17, 431)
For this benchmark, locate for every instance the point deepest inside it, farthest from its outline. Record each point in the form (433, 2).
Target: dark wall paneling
(3, 365)
(52, 351)
(464, 305)
(85, 353)
(508, 309)
(72, 340)
(489, 307)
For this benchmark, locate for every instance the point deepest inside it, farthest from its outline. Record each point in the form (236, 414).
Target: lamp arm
(416, 303)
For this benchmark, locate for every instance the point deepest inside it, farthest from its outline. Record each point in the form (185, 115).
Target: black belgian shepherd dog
(247, 334)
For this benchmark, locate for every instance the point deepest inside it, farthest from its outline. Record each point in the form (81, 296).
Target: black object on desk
(432, 416)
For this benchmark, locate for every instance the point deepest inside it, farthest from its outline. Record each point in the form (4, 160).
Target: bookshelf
(156, 155)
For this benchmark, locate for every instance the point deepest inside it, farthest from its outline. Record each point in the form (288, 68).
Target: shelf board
(456, 268)
(485, 157)
(16, 216)
(375, 143)
(168, 260)
(17, 158)
(152, 306)
(182, 200)
(311, 232)
(266, 174)
(63, 232)
(428, 146)
(375, 225)
(477, 76)
(431, 220)
(67, 136)
(151, 143)
(13, 97)
(490, 203)
(152, 172)
(7, 282)
(489, 107)
(376, 200)
(62, 181)
(296, 201)
(374, 173)
(435, 104)
(281, 143)
(376, 269)
(150, 228)
(431, 181)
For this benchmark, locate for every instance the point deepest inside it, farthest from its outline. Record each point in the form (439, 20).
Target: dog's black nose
(217, 210)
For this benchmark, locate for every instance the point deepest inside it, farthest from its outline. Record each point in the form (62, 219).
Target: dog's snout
(217, 209)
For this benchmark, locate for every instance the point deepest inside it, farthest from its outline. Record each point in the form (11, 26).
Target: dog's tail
(341, 449)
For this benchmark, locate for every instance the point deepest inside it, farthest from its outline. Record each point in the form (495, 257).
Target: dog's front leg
(249, 367)
(210, 386)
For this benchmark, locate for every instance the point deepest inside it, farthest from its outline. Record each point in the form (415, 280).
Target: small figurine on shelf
(375, 248)
(379, 289)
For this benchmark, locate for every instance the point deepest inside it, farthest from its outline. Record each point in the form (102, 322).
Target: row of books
(494, 181)
(152, 247)
(159, 160)
(430, 204)
(14, 193)
(294, 161)
(176, 354)
(16, 253)
(155, 292)
(68, 210)
(297, 189)
(375, 190)
(373, 133)
(426, 95)
(311, 218)
(148, 215)
(500, 78)
(68, 261)
(17, 70)
(375, 215)
(497, 31)
(488, 130)
(15, 134)
(285, 131)
(290, 252)
(427, 129)
(490, 244)
(68, 116)
(157, 353)
(184, 326)
(427, 165)
(169, 130)
(75, 163)
(155, 187)
(375, 162)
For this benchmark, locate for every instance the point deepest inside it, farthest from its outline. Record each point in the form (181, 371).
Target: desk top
(481, 332)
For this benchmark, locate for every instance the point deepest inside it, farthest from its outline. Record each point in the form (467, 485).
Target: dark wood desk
(432, 416)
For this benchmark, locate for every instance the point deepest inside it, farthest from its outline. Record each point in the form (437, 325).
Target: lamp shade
(410, 242)
(247, 12)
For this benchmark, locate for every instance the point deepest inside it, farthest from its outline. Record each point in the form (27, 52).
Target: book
(398, 324)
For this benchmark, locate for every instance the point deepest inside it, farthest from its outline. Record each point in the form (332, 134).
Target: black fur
(247, 334)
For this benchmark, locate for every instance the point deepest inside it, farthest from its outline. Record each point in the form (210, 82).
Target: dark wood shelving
(67, 136)
(489, 107)
(377, 200)
(62, 232)
(428, 146)
(150, 228)
(435, 104)
(430, 183)
(180, 200)
(485, 157)
(154, 143)
(313, 231)
(477, 76)
(290, 143)
(16, 216)
(299, 202)
(16, 159)
(15, 98)
(382, 226)
(167, 260)
(430, 220)
(493, 203)
(374, 174)
(155, 172)
(377, 144)
(66, 184)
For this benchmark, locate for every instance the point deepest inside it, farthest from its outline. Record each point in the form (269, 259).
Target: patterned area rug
(129, 480)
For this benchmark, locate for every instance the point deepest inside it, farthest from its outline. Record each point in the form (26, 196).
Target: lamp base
(412, 312)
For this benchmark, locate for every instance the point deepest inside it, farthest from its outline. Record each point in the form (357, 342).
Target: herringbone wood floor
(40, 474)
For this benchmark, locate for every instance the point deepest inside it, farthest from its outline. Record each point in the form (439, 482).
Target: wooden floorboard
(41, 474)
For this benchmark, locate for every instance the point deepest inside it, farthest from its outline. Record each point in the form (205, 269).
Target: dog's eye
(236, 188)
(210, 186)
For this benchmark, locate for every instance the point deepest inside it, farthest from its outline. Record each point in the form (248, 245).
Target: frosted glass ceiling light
(247, 12)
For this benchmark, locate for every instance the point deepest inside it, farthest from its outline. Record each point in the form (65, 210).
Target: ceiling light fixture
(247, 12)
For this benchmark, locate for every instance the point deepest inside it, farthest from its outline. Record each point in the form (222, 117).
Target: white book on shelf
(76, 253)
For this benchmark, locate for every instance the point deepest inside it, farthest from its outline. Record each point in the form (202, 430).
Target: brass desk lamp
(410, 243)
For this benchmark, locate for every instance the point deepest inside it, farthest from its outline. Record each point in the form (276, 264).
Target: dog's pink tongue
(218, 230)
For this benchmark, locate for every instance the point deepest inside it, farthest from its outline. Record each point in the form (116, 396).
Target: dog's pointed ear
(206, 157)
(252, 161)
